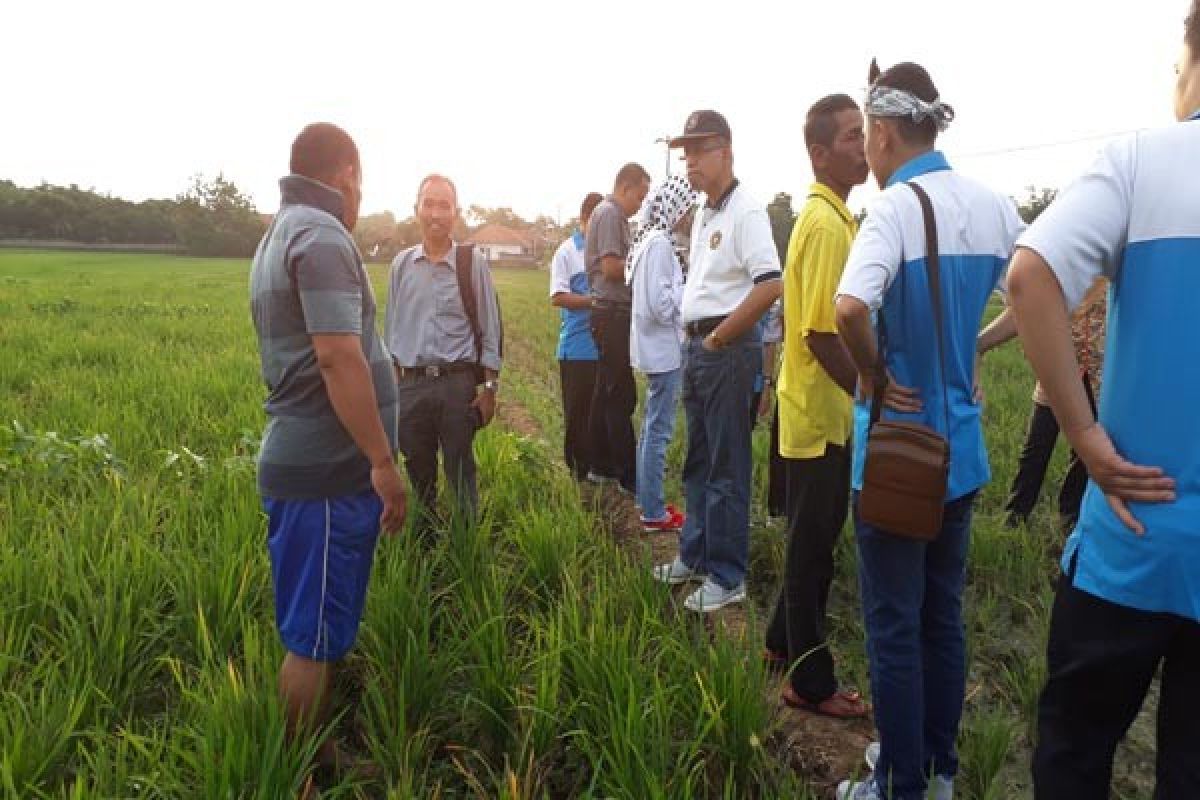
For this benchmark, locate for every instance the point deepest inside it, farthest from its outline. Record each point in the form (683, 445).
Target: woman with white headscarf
(655, 275)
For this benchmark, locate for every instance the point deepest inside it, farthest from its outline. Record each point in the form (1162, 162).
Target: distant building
(503, 244)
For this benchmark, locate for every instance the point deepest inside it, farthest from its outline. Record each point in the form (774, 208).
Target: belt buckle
(434, 371)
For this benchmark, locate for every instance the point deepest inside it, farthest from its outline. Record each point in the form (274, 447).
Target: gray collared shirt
(426, 323)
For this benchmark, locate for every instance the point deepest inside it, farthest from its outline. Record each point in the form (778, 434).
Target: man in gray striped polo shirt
(326, 471)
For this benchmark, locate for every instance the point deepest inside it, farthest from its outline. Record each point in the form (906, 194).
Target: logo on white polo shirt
(714, 241)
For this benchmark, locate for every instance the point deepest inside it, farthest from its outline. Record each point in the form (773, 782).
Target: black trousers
(818, 493)
(614, 445)
(578, 379)
(1031, 469)
(1101, 658)
(436, 414)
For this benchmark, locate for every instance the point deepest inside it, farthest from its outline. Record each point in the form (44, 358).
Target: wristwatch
(491, 385)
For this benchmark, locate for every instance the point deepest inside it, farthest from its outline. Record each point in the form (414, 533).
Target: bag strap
(464, 262)
(933, 274)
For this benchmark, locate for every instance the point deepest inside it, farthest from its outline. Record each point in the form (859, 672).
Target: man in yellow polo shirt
(815, 413)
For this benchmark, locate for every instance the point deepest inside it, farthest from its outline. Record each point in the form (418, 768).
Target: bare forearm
(856, 333)
(571, 301)
(1000, 330)
(749, 311)
(1040, 311)
(833, 357)
(352, 394)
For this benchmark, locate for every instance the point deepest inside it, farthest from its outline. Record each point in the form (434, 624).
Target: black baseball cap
(702, 125)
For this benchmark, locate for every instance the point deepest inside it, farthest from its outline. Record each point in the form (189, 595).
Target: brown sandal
(842, 704)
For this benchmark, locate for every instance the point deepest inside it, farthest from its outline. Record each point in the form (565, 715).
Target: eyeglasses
(696, 150)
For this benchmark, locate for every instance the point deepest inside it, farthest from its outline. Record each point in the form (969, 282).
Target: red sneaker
(672, 521)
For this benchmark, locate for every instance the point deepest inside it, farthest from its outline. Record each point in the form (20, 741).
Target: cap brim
(680, 141)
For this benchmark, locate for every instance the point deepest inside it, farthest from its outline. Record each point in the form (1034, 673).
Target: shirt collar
(932, 161)
(577, 238)
(447, 260)
(822, 191)
(723, 200)
(304, 191)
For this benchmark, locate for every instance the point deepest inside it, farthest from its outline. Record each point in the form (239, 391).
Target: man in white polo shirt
(734, 278)
(1128, 602)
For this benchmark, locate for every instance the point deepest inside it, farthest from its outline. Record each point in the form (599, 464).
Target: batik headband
(887, 101)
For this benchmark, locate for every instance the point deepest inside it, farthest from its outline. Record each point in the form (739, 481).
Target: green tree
(214, 218)
(782, 217)
(1035, 202)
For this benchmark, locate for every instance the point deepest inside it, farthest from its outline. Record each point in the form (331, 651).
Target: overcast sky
(532, 104)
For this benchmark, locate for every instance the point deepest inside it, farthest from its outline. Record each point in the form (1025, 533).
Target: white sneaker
(859, 790)
(677, 572)
(712, 596)
(871, 756)
(940, 788)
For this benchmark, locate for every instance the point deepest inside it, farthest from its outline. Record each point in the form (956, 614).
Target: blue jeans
(717, 388)
(916, 647)
(658, 425)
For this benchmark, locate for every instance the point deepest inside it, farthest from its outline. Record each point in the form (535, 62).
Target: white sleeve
(875, 256)
(560, 270)
(664, 300)
(1084, 231)
(1014, 227)
(756, 246)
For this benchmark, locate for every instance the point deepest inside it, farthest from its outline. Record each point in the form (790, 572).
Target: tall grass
(526, 657)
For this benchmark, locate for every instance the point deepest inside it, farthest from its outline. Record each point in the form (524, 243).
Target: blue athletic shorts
(321, 556)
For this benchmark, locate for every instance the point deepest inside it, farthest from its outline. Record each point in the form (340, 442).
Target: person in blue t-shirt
(570, 291)
(1128, 601)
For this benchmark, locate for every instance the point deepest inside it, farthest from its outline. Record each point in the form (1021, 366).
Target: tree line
(212, 217)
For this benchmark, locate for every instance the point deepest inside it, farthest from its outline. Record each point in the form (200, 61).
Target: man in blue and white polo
(571, 292)
(1128, 602)
(912, 590)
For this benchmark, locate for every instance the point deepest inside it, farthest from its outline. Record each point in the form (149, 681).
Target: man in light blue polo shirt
(912, 590)
(1128, 602)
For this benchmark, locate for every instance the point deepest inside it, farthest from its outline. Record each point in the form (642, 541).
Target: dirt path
(825, 751)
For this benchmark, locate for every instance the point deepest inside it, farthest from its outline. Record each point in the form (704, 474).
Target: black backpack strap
(464, 263)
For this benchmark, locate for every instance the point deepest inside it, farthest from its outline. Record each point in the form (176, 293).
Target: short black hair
(630, 174)
(820, 125)
(914, 79)
(321, 149)
(1191, 29)
(435, 176)
(589, 204)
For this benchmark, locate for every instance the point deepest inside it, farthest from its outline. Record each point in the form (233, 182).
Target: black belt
(435, 370)
(703, 327)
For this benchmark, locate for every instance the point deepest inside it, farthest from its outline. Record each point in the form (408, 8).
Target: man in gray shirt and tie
(436, 352)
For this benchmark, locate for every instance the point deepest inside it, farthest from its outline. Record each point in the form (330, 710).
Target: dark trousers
(777, 480)
(613, 442)
(818, 491)
(1031, 469)
(1101, 658)
(436, 413)
(916, 647)
(578, 379)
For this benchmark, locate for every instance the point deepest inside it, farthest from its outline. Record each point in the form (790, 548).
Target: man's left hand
(485, 404)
